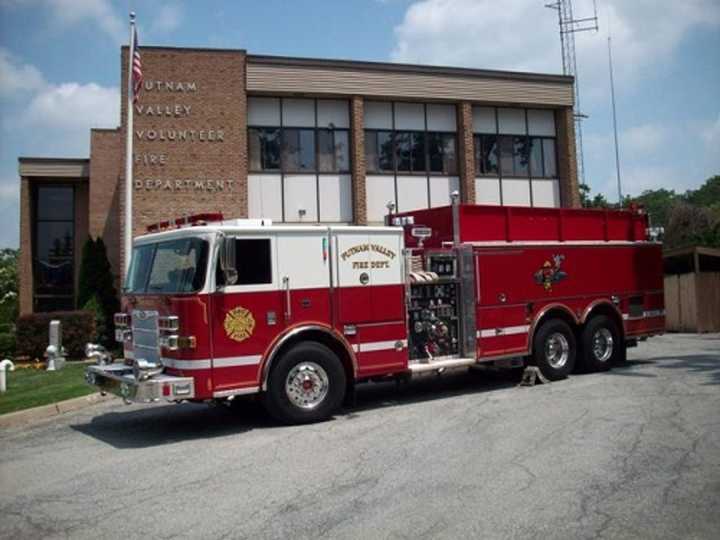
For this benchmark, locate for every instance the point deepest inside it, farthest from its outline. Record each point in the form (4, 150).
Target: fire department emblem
(239, 324)
(551, 272)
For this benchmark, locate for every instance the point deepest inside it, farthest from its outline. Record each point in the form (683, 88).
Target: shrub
(78, 327)
(7, 345)
(93, 306)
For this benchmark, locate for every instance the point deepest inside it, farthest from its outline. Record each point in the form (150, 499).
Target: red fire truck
(299, 315)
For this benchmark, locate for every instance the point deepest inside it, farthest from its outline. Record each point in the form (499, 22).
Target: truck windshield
(175, 266)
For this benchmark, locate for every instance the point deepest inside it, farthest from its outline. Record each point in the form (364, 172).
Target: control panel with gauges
(434, 309)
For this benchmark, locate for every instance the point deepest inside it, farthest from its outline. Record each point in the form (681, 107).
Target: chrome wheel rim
(307, 385)
(557, 350)
(602, 345)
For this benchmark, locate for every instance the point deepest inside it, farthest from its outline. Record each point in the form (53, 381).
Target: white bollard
(55, 352)
(3, 382)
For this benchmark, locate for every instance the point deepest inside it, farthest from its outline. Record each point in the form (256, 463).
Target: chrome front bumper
(118, 379)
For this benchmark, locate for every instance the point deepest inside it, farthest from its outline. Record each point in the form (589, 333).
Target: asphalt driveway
(633, 453)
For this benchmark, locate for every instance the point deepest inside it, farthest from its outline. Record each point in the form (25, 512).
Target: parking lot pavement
(633, 453)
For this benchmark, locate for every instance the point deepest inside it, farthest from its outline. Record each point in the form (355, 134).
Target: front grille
(145, 335)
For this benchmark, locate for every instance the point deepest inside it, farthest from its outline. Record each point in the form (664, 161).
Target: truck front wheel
(554, 349)
(306, 385)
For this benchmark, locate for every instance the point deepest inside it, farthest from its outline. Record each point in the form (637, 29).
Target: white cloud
(523, 35)
(72, 106)
(100, 13)
(168, 19)
(711, 134)
(519, 35)
(644, 139)
(17, 77)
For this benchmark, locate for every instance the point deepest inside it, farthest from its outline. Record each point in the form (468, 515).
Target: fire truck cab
(214, 309)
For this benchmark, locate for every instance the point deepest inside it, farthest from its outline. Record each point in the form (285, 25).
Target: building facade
(297, 141)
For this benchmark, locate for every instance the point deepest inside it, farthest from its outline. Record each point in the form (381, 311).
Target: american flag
(137, 75)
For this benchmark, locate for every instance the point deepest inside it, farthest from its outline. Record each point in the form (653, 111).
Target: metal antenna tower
(569, 25)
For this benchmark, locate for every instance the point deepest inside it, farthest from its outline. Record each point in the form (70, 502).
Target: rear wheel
(554, 349)
(306, 385)
(601, 344)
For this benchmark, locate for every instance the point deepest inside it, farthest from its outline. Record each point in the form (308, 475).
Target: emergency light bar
(194, 220)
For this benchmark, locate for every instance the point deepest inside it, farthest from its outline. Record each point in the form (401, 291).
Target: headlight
(122, 320)
(171, 323)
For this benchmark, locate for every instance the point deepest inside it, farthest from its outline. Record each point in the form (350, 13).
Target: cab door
(247, 316)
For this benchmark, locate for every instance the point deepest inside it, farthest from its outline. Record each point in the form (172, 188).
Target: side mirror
(227, 260)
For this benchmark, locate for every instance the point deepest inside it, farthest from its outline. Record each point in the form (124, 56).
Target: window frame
(237, 288)
(154, 245)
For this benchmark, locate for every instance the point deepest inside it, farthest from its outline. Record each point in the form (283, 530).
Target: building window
(549, 159)
(333, 150)
(486, 155)
(411, 155)
(54, 248)
(442, 153)
(516, 144)
(299, 159)
(298, 150)
(411, 152)
(319, 145)
(379, 151)
(264, 149)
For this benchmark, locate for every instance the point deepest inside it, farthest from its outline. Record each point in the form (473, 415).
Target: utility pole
(617, 149)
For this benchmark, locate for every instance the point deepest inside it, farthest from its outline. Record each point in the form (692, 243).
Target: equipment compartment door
(370, 297)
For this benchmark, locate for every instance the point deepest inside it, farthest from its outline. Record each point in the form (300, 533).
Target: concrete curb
(43, 412)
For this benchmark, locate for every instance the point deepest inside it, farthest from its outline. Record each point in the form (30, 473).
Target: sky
(60, 68)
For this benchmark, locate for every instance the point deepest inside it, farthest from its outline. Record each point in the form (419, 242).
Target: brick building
(298, 141)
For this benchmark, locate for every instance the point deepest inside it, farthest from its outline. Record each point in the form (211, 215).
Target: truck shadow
(707, 365)
(144, 427)
(697, 364)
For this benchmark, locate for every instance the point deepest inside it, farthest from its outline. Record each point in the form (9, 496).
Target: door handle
(288, 308)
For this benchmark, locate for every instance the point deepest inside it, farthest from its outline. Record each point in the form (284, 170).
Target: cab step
(440, 365)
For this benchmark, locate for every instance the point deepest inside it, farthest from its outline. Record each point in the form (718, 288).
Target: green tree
(87, 280)
(597, 201)
(658, 203)
(707, 195)
(8, 286)
(96, 288)
(690, 225)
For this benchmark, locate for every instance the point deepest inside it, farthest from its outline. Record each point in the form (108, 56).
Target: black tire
(554, 333)
(307, 358)
(602, 355)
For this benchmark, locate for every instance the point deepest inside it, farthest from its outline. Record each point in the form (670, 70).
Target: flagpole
(128, 232)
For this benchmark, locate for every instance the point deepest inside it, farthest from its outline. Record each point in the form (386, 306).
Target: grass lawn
(33, 387)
